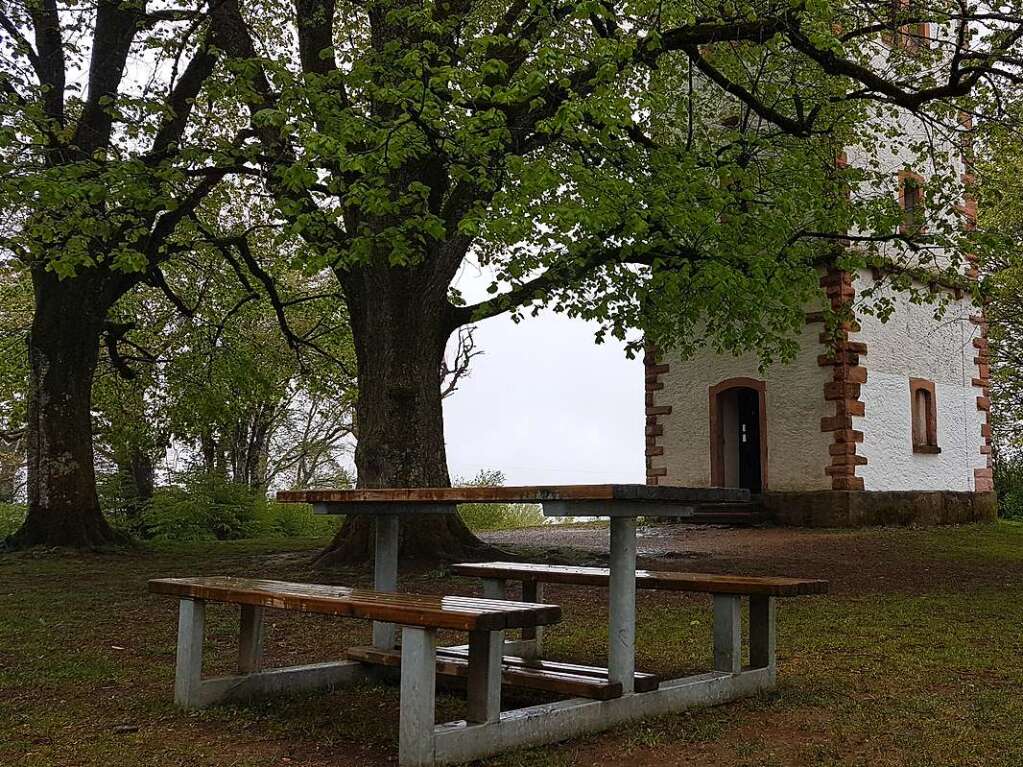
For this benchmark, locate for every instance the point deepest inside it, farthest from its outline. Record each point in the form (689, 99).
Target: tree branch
(22, 44)
(50, 50)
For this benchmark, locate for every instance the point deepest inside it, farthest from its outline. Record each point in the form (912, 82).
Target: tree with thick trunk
(63, 352)
(400, 339)
(608, 159)
(96, 184)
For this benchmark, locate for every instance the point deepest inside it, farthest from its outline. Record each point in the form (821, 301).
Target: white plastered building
(886, 424)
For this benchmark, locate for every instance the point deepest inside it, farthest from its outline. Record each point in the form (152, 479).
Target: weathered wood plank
(642, 682)
(646, 579)
(530, 677)
(516, 494)
(425, 610)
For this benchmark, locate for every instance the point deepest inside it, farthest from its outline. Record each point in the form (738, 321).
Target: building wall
(797, 449)
(912, 344)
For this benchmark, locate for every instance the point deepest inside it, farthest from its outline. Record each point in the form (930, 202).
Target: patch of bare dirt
(854, 561)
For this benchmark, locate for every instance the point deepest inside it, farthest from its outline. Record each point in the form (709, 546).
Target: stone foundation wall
(852, 508)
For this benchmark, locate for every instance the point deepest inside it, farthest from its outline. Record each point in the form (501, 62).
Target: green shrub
(208, 509)
(501, 516)
(203, 509)
(295, 520)
(11, 517)
(497, 516)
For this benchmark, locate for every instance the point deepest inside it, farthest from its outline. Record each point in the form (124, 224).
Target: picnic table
(627, 695)
(598, 698)
(623, 504)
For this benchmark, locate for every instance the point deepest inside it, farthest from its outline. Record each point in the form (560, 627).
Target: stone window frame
(907, 178)
(930, 426)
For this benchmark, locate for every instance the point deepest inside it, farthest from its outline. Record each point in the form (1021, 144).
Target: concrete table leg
(250, 640)
(621, 665)
(188, 673)
(761, 632)
(418, 697)
(385, 573)
(728, 633)
(484, 684)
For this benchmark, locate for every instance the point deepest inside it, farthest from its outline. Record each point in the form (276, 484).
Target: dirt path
(855, 561)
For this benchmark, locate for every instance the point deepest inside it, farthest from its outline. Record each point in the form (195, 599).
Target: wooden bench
(568, 679)
(421, 616)
(727, 591)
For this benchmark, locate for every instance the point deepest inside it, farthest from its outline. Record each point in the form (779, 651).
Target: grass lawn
(916, 658)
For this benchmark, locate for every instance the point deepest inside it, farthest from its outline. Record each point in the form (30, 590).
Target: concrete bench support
(728, 633)
(527, 647)
(484, 684)
(532, 591)
(250, 640)
(418, 697)
(762, 632)
(188, 672)
(191, 691)
(494, 588)
(457, 742)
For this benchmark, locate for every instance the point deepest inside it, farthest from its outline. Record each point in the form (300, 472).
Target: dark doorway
(748, 405)
(737, 424)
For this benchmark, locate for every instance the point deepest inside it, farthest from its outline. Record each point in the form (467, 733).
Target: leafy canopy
(664, 166)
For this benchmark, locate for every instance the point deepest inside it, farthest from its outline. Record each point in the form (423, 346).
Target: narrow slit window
(924, 416)
(911, 199)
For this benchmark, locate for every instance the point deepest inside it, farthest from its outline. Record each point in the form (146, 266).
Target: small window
(925, 416)
(966, 140)
(912, 36)
(916, 37)
(911, 200)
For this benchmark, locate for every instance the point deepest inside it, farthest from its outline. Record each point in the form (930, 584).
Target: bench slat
(642, 682)
(426, 610)
(646, 579)
(453, 665)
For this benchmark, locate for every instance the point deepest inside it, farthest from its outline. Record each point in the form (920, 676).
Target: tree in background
(107, 146)
(257, 403)
(15, 318)
(609, 160)
(207, 374)
(1000, 216)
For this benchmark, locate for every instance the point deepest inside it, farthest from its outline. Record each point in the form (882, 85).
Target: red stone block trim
(654, 371)
(844, 388)
(983, 479)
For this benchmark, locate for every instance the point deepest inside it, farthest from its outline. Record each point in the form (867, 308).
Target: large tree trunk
(400, 337)
(63, 355)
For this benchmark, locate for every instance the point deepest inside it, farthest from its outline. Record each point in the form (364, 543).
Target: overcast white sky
(545, 404)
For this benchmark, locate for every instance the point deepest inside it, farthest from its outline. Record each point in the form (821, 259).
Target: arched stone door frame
(717, 458)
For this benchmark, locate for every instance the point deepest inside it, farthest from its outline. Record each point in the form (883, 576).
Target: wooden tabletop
(427, 610)
(573, 494)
